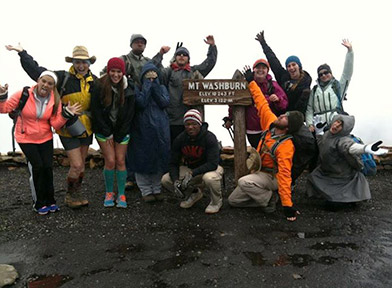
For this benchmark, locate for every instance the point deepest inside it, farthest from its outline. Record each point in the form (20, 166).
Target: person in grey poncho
(338, 178)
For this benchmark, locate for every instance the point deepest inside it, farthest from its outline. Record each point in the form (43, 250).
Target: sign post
(224, 92)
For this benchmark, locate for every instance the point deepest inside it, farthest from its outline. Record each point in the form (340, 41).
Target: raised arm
(348, 67)
(208, 64)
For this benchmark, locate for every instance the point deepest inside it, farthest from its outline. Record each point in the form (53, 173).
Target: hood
(148, 67)
(348, 123)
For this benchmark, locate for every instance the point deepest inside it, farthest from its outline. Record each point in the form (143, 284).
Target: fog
(312, 30)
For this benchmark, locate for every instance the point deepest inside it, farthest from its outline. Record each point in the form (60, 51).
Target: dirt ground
(162, 245)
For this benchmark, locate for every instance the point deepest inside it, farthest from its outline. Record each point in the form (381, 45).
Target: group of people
(146, 134)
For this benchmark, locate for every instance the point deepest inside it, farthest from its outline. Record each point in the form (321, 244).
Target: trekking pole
(13, 140)
(230, 129)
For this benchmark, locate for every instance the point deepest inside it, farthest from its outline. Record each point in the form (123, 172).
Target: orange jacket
(285, 151)
(28, 128)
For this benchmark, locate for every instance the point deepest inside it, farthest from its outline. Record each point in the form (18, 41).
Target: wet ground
(162, 245)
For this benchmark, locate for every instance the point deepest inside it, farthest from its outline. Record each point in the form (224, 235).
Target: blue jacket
(149, 146)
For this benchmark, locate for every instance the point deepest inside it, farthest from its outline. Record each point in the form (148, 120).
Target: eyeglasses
(321, 74)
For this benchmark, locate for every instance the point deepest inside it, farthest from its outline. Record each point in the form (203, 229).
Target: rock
(8, 274)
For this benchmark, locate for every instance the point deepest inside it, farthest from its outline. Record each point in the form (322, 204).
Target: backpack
(369, 165)
(336, 90)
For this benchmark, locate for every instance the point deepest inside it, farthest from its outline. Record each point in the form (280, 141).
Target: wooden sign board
(216, 92)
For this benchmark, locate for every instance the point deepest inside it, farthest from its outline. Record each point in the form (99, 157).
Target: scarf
(175, 67)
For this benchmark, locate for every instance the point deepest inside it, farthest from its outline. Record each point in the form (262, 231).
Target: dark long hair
(106, 91)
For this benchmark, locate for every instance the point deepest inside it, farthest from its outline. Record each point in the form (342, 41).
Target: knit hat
(324, 67)
(116, 63)
(295, 59)
(80, 53)
(49, 73)
(135, 37)
(261, 61)
(182, 50)
(194, 115)
(296, 120)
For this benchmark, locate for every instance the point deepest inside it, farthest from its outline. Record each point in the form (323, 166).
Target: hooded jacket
(76, 90)
(200, 154)
(149, 147)
(338, 177)
(29, 128)
(173, 82)
(297, 91)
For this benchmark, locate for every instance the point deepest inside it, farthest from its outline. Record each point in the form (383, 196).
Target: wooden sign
(216, 92)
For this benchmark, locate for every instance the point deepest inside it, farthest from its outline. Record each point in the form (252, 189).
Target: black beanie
(296, 120)
(324, 67)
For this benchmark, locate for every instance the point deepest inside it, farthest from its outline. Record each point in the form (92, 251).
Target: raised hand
(3, 89)
(248, 74)
(164, 49)
(260, 37)
(18, 48)
(210, 40)
(346, 43)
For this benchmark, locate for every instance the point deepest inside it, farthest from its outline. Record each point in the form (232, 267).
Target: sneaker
(121, 201)
(54, 208)
(212, 209)
(159, 197)
(192, 199)
(43, 210)
(149, 198)
(109, 199)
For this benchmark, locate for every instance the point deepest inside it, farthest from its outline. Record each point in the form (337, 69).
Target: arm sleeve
(175, 158)
(209, 63)
(347, 73)
(143, 95)
(309, 110)
(212, 162)
(160, 94)
(30, 65)
(274, 62)
(283, 102)
(264, 111)
(58, 120)
(6, 106)
(97, 114)
(284, 156)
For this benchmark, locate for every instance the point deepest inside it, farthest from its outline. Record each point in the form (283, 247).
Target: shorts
(70, 143)
(101, 138)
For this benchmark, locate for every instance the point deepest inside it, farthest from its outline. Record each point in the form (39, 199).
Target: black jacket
(100, 114)
(299, 96)
(200, 154)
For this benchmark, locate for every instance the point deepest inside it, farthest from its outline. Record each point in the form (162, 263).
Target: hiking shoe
(271, 207)
(109, 199)
(43, 210)
(214, 208)
(121, 201)
(192, 199)
(159, 197)
(54, 208)
(149, 198)
(71, 201)
(79, 196)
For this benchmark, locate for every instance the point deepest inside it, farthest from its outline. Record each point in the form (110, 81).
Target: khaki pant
(211, 180)
(253, 190)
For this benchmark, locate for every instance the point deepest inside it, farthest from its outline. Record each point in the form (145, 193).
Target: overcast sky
(312, 30)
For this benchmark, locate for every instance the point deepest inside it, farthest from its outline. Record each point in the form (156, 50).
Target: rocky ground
(162, 245)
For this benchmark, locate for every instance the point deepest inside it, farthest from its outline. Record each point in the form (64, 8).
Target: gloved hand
(375, 149)
(179, 44)
(248, 74)
(185, 182)
(177, 189)
(290, 213)
(260, 37)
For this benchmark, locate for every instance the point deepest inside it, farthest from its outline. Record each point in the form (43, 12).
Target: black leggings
(40, 157)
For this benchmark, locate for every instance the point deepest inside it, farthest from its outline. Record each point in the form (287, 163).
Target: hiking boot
(109, 199)
(271, 207)
(53, 208)
(83, 201)
(159, 197)
(192, 199)
(149, 198)
(214, 208)
(43, 210)
(71, 201)
(121, 201)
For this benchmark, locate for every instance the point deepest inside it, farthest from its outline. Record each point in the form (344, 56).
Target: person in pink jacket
(33, 132)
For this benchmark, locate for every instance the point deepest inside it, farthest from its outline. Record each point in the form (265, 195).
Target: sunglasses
(321, 74)
(182, 54)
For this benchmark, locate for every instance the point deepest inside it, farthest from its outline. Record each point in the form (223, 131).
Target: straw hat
(80, 53)
(253, 163)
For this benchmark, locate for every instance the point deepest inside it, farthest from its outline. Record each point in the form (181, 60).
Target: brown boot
(79, 194)
(70, 197)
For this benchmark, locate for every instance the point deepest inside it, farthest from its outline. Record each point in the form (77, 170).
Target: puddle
(333, 246)
(255, 257)
(172, 263)
(302, 260)
(47, 281)
(193, 239)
